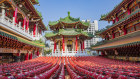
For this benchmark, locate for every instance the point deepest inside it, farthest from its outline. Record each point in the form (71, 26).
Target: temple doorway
(69, 45)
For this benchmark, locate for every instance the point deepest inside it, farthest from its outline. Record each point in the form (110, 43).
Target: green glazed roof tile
(115, 39)
(37, 44)
(72, 32)
(68, 19)
(53, 22)
(125, 18)
(37, 1)
(105, 15)
(122, 45)
(8, 36)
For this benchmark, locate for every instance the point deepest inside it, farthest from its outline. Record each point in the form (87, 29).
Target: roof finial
(68, 13)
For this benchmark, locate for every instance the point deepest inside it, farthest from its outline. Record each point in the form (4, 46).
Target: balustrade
(10, 24)
(68, 53)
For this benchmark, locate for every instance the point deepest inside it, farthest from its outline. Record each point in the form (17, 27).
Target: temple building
(21, 30)
(68, 36)
(121, 40)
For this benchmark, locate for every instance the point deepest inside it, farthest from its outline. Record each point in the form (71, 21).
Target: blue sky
(52, 10)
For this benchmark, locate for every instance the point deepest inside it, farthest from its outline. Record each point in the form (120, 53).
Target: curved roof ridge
(68, 19)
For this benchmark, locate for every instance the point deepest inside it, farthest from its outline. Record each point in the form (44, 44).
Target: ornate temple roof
(37, 14)
(68, 20)
(29, 11)
(129, 36)
(68, 32)
(68, 26)
(119, 46)
(116, 9)
(119, 22)
(8, 36)
(35, 1)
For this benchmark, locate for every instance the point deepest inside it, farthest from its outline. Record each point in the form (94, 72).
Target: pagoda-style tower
(68, 36)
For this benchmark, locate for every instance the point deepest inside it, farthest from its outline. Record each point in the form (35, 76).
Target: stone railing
(37, 37)
(9, 24)
(68, 53)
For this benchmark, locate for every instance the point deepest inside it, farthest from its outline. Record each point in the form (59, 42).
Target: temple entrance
(59, 45)
(69, 45)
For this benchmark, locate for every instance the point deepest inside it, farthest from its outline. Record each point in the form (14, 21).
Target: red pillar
(30, 56)
(113, 21)
(128, 11)
(113, 35)
(26, 57)
(76, 43)
(37, 53)
(117, 19)
(54, 45)
(15, 15)
(102, 54)
(27, 25)
(124, 30)
(83, 46)
(34, 30)
(63, 44)
(24, 22)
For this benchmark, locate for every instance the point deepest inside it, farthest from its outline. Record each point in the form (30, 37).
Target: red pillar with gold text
(128, 11)
(30, 56)
(15, 15)
(83, 46)
(113, 35)
(63, 44)
(54, 45)
(27, 56)
(125, 31)
(76, 43)
(34, 30)
(38, 53)
(117, 19)
(27, 25)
